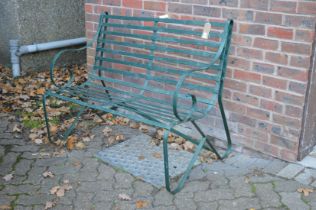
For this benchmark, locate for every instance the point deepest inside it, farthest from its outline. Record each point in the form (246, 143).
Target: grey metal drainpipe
(17, 50)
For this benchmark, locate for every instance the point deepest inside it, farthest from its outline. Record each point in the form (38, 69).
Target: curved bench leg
(229, 141)
(71, 127)
(186, 174)
(46, 118)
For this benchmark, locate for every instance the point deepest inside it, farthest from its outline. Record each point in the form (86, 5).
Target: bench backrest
(145, 55)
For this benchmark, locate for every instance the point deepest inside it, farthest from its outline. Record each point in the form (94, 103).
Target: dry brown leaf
(38, 141)
(40, 91)
(157, 155)
(80, 145)
(141, 204)
(124, 197)
(120, 137)
(48, 174)
(179, 140)
(54, 190)
(141, 157)
(143, 128)
(159, 134)
(134, 125)
(33, 136)
(60, 192)
(49, 204)
(16, 128)
(305, 191)
(71, 141)
(111, 140)
(8, 177)
(107, 131)
(53, 129)
(175, 146)
(5, 207)
(188, 146)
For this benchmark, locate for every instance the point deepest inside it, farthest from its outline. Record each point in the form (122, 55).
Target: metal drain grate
(144, 160)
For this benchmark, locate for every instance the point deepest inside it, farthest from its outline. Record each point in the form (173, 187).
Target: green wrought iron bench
(159, 71)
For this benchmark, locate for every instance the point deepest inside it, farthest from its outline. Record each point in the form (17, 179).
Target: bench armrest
(52, 66)
(193, 97)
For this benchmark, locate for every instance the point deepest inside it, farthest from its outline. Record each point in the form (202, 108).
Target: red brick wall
(268, 66)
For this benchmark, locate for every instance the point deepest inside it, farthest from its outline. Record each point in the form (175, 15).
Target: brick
(297, 48)
(286, 121)
(271, 105)
(249, 53)
(267, 148)
(206, 11)
(260, 91)
(299, 61)
(235, 85)
(247, 76)
(277, 58)
(99, 9)
(282, 33)
(300, 21)
(255, 4)
(235, 107)
(137, 4)
(255, 29)
(229, 3)
(154, 5)
(304, 35)
(180, 8)
(288, 155)
(283, 6)
(241, 40)
(245, 98)
(293, 111)
(274, 82)
(283, 142)
(263, 68)
(236, 14)
(297, 87)
(268, 18)
(112, 2)
(307, 8)
(266, 43)
(88, 8)
(203, 2)
(289, 98)
(290, 73)
(234, 117)
(239, 63)
(258, 113)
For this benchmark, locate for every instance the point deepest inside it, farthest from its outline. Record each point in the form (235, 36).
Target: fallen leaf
(141, 157)
(124, 197)
(5, 207)
(252, 209)
(179, 140)
(48, 174)
(40, 91)
(107, 131)
(157, 155)
(134, 125)
(305, 191)
(60, 192)
(141, 204)
(16, 128)
(111, 140)
(38, 141)
(54, 190)
(188, 146)
(120, 137)
(80, 145)
(144, 128)
(175, 146)
(53, 129)
(71, 142)
(8, 177)
(49, 204)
